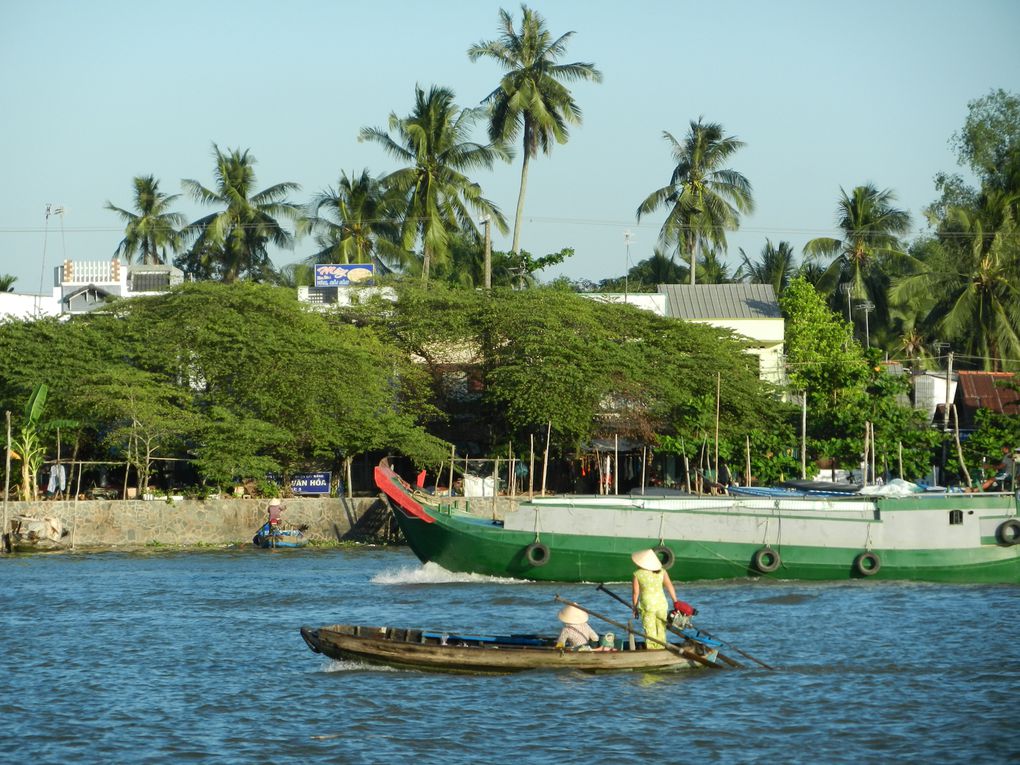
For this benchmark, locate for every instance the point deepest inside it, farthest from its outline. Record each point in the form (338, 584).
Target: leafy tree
(152, 228)
(989, 142)
(775, 266)
(355, 223)
(704, 199)
(660, 268)
(29, 441)
(233, 243)
(531, 101)
(437, 196)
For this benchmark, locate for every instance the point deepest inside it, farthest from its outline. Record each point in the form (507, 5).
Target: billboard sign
(310, 483)
(344, 275)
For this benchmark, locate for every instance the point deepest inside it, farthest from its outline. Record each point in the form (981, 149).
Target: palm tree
(151, 228)
(354, 224)
(974, 282)
(712, 269)
(658, 269)
(871, 227)
(704, 198)
(531, 100)
(233, 242)
(436, 195)
(7, 283)
(775, 266)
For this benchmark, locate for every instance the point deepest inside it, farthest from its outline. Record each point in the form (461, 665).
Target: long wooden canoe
(485, 654)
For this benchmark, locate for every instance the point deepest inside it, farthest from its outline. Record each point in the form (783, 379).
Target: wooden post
(598, 467)
(644, 459)
(687, 466)
(531, 469)
(864, 456)
(616, 463)
(899, 455)
(453, 458)
(803, 435)
(347, 465)
(74, 522)
(545, 460)
(495, 486)
(874, 449)
(959, 449)
(4, 539)
(718, 396)
(747, 464)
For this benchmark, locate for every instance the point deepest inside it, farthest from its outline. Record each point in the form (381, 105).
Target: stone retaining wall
(133, 523)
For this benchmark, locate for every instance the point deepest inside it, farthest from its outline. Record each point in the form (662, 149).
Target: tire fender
(766, 560)
(537, 554)
(1008, 532)
(665, 555)
(867, 564)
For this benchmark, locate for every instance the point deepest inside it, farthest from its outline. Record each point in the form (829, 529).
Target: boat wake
(344, 665)
(433, 573)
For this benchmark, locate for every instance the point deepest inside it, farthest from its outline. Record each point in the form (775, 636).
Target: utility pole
(487, 220)
(945, 415)
(626, 266)
(847, 288)
(867, 306)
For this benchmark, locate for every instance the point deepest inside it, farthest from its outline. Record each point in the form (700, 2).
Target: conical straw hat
(572, 615)
(647, 559)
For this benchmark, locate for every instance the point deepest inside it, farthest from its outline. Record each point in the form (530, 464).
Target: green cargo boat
(924, 537)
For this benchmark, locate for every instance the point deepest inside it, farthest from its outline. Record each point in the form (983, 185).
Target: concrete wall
(134, 523)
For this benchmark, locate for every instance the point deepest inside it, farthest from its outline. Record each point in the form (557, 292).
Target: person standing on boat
(276, 509)
(576, 632)
(648, 598)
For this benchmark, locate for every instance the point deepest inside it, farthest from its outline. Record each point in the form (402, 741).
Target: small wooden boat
(29, 533)
(486, 654)
(271, 537)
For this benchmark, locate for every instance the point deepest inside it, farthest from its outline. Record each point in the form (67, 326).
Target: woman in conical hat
(647, 595)
(576, 632)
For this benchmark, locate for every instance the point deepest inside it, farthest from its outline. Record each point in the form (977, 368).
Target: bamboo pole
(644, 460)
(803, 435)
(598, 467)
(959, 448)
(545, 459)
(718, 397)
(899, 457)
(531, 469)
(4, 538)
(74, 522)
(453, 458)
(616, 463)
(511, 471)
(687, 466)
(747, 464)
(874, 451)
(495, 485)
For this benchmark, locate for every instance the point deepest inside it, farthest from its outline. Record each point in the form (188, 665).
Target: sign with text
(310, 483)
(344, 275)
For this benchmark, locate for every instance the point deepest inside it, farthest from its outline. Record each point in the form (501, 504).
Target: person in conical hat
(275, 509)
(576, 632)
(648, 598)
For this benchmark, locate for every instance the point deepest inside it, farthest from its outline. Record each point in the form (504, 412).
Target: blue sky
(825, 95)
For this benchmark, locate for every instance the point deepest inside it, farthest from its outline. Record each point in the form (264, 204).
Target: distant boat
(29, 533)
(271, 537)
(925, 536)
(438, 651)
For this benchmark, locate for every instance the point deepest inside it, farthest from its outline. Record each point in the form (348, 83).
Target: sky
(825, 95)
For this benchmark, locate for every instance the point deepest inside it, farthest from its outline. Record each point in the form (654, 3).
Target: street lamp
(847, 288)
(867, 306)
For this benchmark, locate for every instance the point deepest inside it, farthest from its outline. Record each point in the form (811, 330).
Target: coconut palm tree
(531, 101)
(7, 283)
(152, 228)
(712, 269)
(775, 266)
(233, 243)
(974, 283)
(703, 197)
(355, 223)
(869, 246)
(436, 195)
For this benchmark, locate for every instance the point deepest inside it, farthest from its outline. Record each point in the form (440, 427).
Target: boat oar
(706, 633)
(682, 652)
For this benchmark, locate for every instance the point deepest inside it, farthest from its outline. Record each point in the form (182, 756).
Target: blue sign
(310, 483)
(344, 275)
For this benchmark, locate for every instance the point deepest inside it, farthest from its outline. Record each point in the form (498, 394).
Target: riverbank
(132, 524)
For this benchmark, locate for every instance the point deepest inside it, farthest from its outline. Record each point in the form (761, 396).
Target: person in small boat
(577, 634)
(648, 598)
(276, 509)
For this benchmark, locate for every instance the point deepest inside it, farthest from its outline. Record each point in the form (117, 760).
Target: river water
(196, 657)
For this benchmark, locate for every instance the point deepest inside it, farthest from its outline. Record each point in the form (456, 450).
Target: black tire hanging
(1008, 532)
(665, 556)
(766, 560)
(867, 564)
(537, 554)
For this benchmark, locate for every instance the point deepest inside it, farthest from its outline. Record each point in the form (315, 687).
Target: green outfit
(652, 605)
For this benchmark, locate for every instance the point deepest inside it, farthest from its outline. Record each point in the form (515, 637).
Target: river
(195, 657)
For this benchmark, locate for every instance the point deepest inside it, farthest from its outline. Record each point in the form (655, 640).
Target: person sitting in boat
(648, 598)
(577, 634)
(276, 509)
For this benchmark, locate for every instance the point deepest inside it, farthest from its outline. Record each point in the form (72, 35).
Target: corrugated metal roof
(721, 301)
(985, 390)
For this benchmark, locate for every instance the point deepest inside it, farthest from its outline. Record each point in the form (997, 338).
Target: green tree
(436, 194)
(7, 283)
(234, 243)
(704, 198)
(355, 223)
(152, 228)
(775, 266)
(531, 102)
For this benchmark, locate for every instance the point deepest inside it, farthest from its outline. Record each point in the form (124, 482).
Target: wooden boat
(486, 654)
(272, 537)
(927, 537)
(29, 533)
